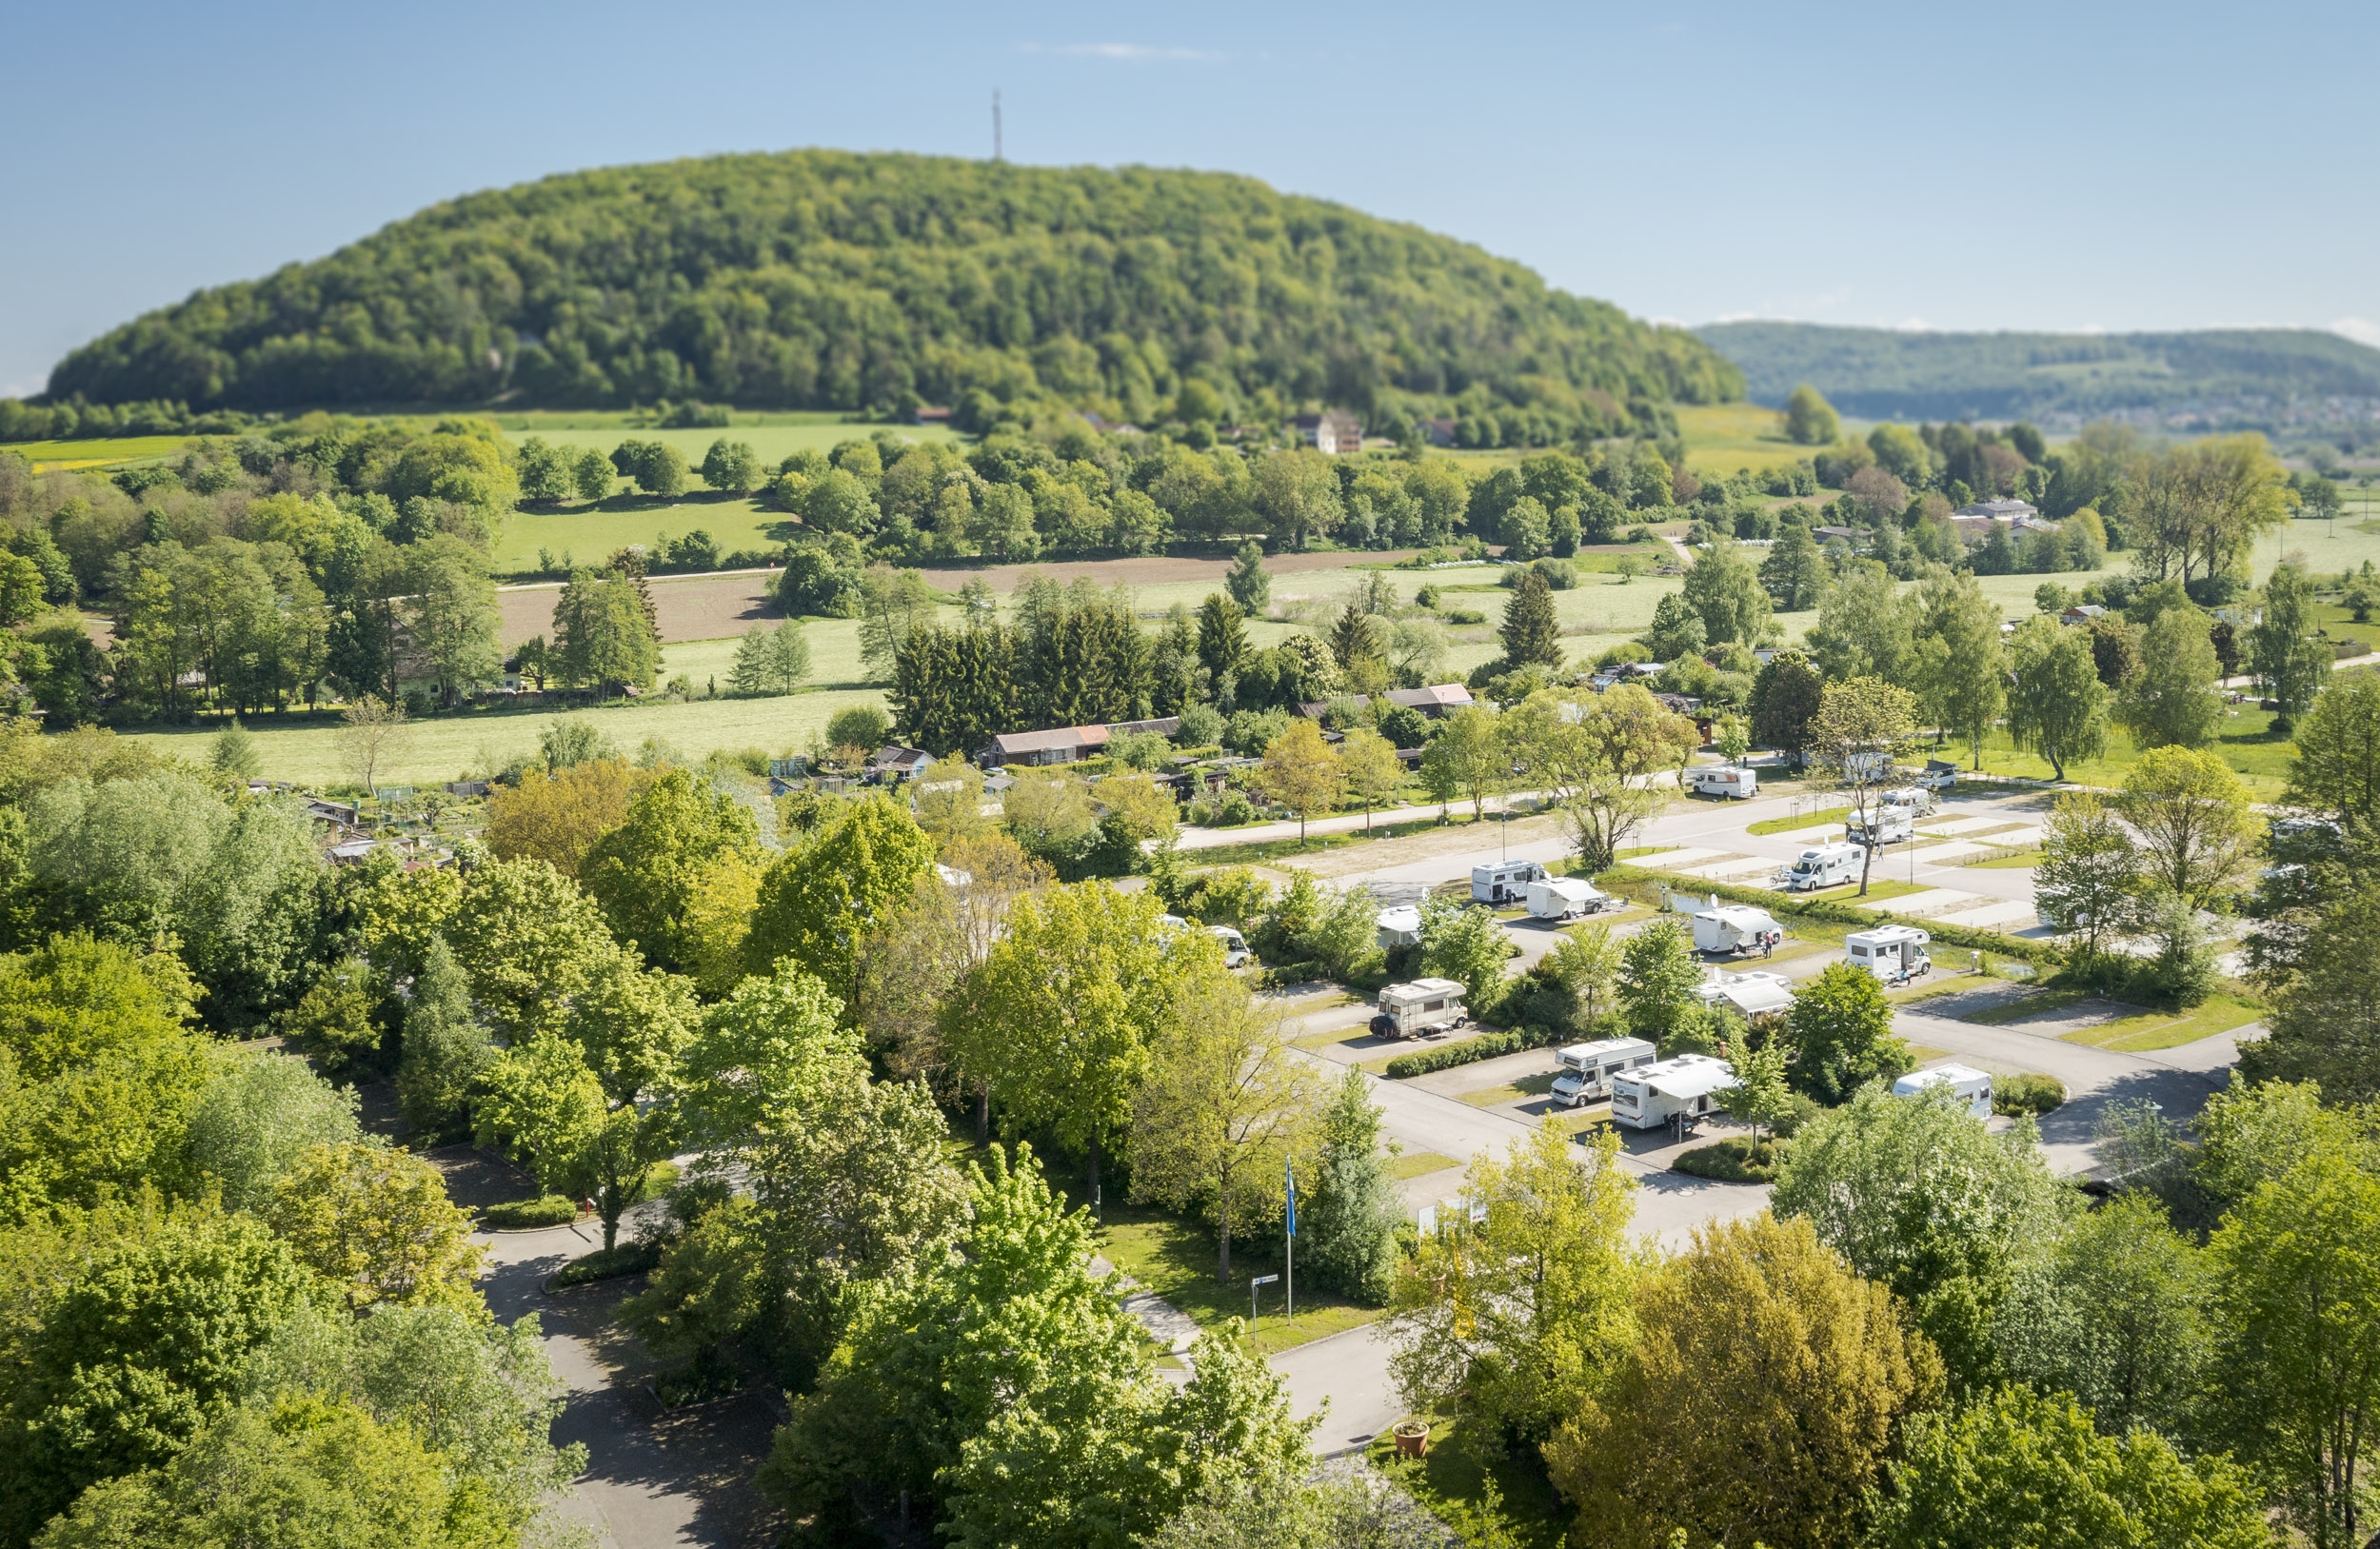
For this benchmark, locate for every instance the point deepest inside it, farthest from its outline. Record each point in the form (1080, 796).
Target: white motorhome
(1505, 882)
(1670, 1090)
(1938, 774)
(1972, 1087)
(1894, 817)
(1724, 779)
(1234, 944)
(1751, 993)
(1588, 1069)
(1824, 866)
(1399, 926)
(1422, 1007)
(1736, 929)
(1566, 898)
(1896, 954)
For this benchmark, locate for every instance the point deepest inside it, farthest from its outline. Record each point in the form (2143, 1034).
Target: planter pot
(1413, 1438)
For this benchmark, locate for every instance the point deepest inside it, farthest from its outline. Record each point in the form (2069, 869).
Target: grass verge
(1487, 1495)
(608, 1265)
(1807, 820)
(1419, 1164)
(2152, 1030)
(1739, 1159)
(1175, 1259)
(1512, 1091)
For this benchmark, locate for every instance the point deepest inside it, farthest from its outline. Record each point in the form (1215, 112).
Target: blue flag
(1289, 1171)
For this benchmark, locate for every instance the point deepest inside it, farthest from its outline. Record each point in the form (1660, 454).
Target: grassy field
(98, 451)
(1721, 438)
(586, 533)
(1419, 1164)
(2152, 1030)
(2245, 742)
(1807, 820)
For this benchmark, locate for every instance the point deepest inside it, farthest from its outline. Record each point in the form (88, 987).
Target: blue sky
(2012, 166)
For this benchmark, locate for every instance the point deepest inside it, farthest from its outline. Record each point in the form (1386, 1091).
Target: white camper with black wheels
(1424, 1007)
(1505, 882)
(1727, 781)
(1668, 1091)
(1737, 930)
(1566, 898)
(1587, 1070)
(1972, 1087)
(1823, 865)
(1896, 954)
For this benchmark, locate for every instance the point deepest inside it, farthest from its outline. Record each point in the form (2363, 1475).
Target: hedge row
(2046, 954)
(1485, 1047)
(520, 1215)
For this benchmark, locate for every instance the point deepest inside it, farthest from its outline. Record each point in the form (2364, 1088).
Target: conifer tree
(1531, 634)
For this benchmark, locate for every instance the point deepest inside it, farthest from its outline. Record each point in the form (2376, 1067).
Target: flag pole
(1289, 1243)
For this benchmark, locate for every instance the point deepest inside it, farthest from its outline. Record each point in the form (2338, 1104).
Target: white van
(1752, 995)
(1736, 929)
(1826, 865)
(1505, 882)
(1654, 1095)
(1973, 1087)
(1566, 898)
(1894, 818)
(1588, 1069)
(1725, 780)
(1896, 954)
(1235, 945)
(1424, 1006)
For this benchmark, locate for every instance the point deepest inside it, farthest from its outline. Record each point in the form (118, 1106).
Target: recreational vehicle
(1893, 819)
(1399, 926)
(1825, 866)
(1424, 1007)
(1234, 944)
(1505, 882)
(1565, 897)
(1587, 1069)
(1896, 954)
(1724, 780)
(1972, 1087)
(1669, 1091)
(1737, 930)
(1751, 995)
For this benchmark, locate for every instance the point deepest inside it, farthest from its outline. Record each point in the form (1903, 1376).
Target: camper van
(1424, 1007)
(1235, 945)
(1566, 898)
(1670, 1091)
(1973, 1087)
(1938, 774)
(1736, 929)
(1399, 926)
(1896, 954)
(1894, 818)
(1587, 1069)
(1750, 995)
(1724, 779)
(1505, 882)
(1826, 865)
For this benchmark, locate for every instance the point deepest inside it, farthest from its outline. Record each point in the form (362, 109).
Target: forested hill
(1883, 373)
(830, 280)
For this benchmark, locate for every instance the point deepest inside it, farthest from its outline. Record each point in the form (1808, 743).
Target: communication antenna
(995, 122)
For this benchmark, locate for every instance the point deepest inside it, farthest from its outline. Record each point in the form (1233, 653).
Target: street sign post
(1253, 1283)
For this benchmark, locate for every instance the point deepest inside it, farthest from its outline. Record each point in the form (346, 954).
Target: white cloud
(2360, 329)
(1128, 53)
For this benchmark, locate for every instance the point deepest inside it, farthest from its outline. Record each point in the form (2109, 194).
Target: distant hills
(816, 279)
(2245, 375)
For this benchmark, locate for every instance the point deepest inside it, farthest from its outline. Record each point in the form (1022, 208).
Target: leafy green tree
(1726, 592)
(1296, 494)
(446, 1049)
(592, 472)
(375, 1221)
(770, 662)
(1531, 632)
(1866, 628)
(1676, 631)
(818, 900)
(2284, 650)
(450, 615)
(731, 466)
(2326, 1018)
(1468, 756)
(1761, 1096)
(1794, 571)
(1467, 945)
(2112, 1313)
(2090, 880)
(1659, 970)
(235, 753)
(257, 1115)
(1348, 1209)
(1914, 1192)
(1960, 667)
(2337, 769)
(529, 941)
(2197, 832)
(1785, 696)
(133, 1358)
(1592, 755)
(2172, 701)
(548, 474)
(2057, 706)
(2296, 1309)
(1758, 1402)
(1860, 726)
(1301, 773)
(646, 874)
(1841, 1026)
(1224, 1108)
(1371, 768)
(1809, 420)
(2017, 1468)
(602, 636)
(1519, 1317)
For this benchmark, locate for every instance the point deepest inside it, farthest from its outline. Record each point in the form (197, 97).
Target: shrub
(609, 1263)
(1485, 1047)
(2028, 1093)
(523, 1215)
(1735, 1160)
(1466, 615)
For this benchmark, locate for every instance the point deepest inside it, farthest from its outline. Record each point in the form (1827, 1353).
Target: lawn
(2004, 863)
(2245, 742)
(1512, 1091)
(583, 534)
(1454, 1482)
(2152, 1030)
(96, 451)
(1721, 438)
(1807, 820)
(1419, 1164)
(1176, 1260)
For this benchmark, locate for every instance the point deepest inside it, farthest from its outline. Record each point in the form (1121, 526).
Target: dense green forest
(830, 280)
(1884, 373)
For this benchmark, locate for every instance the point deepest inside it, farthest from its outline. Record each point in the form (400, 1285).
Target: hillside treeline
(828, 280)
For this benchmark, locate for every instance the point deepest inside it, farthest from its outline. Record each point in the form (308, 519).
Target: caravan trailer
(1505, 882)
(1670, 1091)
(1424, 1007)
(1972, 1087)
(1397, 926)
(1825, 866)
(1565, 897)
(1751, 993)
(1896, 954)
(1724, 780)
(1588, 1069)
(1736, 929)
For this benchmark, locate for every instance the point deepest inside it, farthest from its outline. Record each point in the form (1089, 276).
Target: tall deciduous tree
(1841, 1026)
(1960, 666)
(1860, 726)
(2172, 701)
(818, 900)
(1757, 1403)
(1301, 773)
(1785, 696)
(2283, 650)
(649, 874)
(2197, 832)
(1595, 756)
(1468, 756)
(1726, 592)
(1866, 628)
(374, 1220)
(2337, 771)
(1372, 769)
(1809, 418)
(2056, 703)
(602, 636)
(2089, 883)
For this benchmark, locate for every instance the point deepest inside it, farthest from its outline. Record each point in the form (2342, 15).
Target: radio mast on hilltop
(995, 122)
